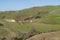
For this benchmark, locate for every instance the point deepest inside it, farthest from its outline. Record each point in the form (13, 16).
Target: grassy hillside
(44, 18)
(8, 14)
(52, 18)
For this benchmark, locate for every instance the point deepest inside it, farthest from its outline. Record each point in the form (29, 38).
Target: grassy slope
(15, 27)
(52, 18)
(8, 14)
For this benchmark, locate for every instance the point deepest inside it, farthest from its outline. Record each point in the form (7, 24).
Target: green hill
(44, 18)
(52, 18)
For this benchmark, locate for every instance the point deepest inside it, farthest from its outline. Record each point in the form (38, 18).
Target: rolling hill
(44, 18)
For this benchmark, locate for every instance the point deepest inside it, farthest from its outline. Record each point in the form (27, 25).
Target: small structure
(1, 24)
(31, 21)
(9, 20)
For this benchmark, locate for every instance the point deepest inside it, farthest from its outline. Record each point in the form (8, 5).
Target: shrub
(4, 38)
(27, 18)
(31, 33)
(1, 24)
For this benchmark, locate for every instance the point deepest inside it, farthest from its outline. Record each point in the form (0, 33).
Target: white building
(9, 20)
(31, 20)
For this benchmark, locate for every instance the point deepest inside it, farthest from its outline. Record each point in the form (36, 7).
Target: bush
(4, 38)
(31, 33)
(27, 18)
(20, 36)
(37, 17)
(1, 24)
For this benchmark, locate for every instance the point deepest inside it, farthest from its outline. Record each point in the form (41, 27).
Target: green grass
(50, 19)
(26, 27)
